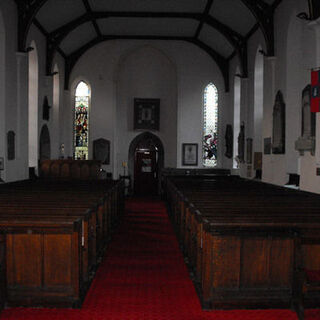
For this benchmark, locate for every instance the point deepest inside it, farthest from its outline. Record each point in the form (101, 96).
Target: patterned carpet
(143, 277)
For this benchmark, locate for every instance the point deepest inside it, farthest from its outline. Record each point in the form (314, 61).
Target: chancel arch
(33, 105)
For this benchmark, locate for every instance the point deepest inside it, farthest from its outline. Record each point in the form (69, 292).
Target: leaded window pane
(210, 126)
(81, 122)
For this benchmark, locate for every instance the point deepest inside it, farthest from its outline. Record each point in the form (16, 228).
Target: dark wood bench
(235, 232)
(39, 221)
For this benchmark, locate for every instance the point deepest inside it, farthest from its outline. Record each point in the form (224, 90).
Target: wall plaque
(11, 145)
(101, 150)
(147, 114)
(267, 145)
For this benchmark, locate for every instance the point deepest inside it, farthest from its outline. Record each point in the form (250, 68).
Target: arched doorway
(45, 152)
(146, 158)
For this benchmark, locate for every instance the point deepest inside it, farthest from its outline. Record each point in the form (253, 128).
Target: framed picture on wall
(146, 114)
(189, 154)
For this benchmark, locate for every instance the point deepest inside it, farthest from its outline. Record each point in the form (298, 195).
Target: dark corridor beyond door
(145, 172)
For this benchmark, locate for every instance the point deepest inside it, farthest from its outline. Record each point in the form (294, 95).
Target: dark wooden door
(145, 173)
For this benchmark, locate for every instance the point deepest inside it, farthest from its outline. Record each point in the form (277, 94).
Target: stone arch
(45, 145)
(147, 138)
(33, 105)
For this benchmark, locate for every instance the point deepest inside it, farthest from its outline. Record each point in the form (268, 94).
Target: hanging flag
(315, 91)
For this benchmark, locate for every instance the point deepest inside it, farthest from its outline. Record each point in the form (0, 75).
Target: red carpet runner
(143, 277)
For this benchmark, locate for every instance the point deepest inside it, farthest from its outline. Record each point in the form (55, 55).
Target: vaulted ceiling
(220, 27)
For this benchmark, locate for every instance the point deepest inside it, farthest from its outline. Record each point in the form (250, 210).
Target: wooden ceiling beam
(234, 38)
(263, 13)
(204, 16)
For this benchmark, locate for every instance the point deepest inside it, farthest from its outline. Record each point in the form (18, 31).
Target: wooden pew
(235, 232)
(28, 209)
(42, 259)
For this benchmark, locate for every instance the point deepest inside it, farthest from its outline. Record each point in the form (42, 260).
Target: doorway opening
(146, 158)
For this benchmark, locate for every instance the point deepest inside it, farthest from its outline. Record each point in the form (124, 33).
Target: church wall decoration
(249, 150)
(229, 141)
(267, 145)
(279, 125)
(306, 142)
(189, 154)
(146, 114)
(101, 150)
(241, 143)
(315, 91)
(11, 145)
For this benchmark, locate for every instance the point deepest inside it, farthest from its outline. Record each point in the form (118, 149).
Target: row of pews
(250, 244)
(52, 237)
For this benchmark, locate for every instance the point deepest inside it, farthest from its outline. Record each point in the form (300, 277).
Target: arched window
(210, 125)
(81, 121)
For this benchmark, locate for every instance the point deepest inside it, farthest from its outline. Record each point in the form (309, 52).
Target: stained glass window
(81, 121)
(210, 125)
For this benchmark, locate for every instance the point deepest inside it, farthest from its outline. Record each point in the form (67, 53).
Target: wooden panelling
(281, 263)
(242, 239)
(311, 256)
(24, 262)
(255, 263)
(57, 260)
(53, 233)
(2, 271)
(226, 262)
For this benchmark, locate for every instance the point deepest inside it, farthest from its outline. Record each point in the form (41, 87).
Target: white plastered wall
(288, 71)
(14, 93)
(175, 72)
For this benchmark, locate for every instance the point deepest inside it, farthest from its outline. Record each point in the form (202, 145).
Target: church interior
(159, 159)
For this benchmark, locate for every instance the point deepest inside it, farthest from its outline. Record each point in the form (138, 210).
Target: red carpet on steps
(143, 277)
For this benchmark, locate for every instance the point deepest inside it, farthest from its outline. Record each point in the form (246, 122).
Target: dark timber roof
(219, 27)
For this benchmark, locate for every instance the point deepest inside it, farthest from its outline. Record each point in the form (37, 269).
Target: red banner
(315, 91)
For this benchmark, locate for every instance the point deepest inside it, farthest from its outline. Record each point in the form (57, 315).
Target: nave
(143, 277)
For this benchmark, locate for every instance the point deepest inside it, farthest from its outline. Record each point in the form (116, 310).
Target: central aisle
(143, 277)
